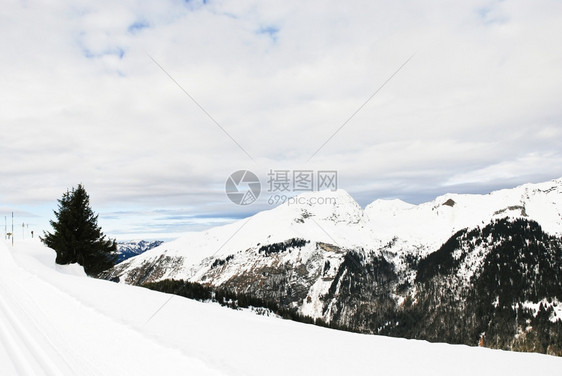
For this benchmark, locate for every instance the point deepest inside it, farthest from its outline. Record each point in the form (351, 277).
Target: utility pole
(12, 229)
(5, 228)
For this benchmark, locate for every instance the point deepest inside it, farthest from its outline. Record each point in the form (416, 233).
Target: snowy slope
(52, 322)
(434, 222)
(56, 321)
(340, 221)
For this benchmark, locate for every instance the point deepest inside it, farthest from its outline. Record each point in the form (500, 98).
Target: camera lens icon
(243, 187)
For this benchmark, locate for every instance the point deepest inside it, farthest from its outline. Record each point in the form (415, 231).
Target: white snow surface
(336, 218)
(434, 222)
(54, 320)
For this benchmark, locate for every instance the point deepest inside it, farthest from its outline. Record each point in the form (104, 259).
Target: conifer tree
(76, 236)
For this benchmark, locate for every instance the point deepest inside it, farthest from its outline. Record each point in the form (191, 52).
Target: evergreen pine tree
(76, 236)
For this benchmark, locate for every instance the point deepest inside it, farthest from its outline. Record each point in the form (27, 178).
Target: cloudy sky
(153, 104)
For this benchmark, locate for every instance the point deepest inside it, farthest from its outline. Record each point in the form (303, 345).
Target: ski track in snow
(46, 331)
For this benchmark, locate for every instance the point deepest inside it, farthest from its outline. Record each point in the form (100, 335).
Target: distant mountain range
(472, 269)
(126, 250)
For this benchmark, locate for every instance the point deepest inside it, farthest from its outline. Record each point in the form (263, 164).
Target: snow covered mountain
(126, 250)
(327, 258)
(341, 222)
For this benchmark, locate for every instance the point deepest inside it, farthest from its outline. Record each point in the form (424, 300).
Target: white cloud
(476, 107)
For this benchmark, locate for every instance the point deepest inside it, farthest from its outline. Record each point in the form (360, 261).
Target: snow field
(56, 321)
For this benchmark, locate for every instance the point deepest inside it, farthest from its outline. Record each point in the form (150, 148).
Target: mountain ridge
(380, 221)
(359, 268)
(131, 248)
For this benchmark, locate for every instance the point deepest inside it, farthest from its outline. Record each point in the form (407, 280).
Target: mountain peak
(336, 198)
(388, 205)
(333, 206)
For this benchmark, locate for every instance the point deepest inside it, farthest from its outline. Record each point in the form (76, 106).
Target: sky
(152, 105)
